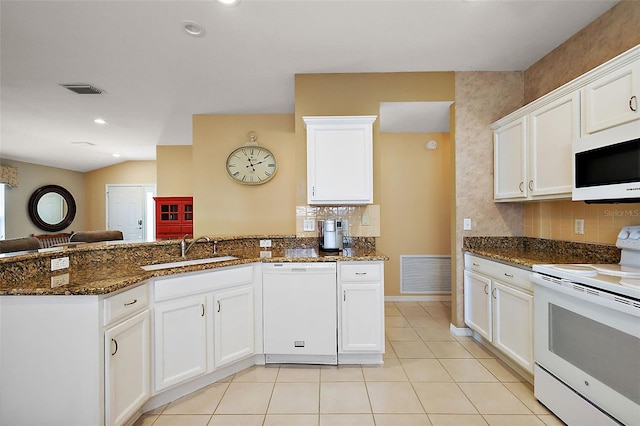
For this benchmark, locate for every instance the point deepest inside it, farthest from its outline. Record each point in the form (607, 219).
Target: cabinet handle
(361, 273)
(508, 275)
(131, 303)
(202, 304)
(633, 100)
(218, 306)
(116, 343)
(521, 186)
(493, 293)
(531, 185)
(486, 289)
(475, 264)
(313, 190)
(344, 295)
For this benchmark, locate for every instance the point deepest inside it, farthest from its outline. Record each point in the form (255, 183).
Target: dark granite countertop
(106, 268)
(526, 251)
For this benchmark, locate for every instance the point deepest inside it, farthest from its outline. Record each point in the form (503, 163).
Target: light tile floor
(429, 378)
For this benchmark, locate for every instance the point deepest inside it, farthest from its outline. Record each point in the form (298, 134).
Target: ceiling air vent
(82, 89)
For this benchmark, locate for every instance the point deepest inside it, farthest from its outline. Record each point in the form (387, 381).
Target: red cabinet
(174, 217)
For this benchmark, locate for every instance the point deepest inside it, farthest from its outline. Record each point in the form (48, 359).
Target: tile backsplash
(364, 221)
(556, 220)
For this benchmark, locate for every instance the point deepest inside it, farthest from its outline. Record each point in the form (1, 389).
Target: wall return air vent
(82, 89)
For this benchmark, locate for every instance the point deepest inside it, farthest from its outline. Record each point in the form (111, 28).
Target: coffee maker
(330, 235)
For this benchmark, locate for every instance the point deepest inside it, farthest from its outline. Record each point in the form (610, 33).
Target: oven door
(590, 345)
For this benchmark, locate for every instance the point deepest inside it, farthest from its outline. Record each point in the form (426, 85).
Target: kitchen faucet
(184, 249)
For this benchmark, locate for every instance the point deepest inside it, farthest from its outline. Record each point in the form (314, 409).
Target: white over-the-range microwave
(606, 165)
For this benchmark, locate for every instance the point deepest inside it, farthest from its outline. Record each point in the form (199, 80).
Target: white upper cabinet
(611, 99)
(532, 154)
(339, 160)
(552, 129)
(509, 161)
(533, 146)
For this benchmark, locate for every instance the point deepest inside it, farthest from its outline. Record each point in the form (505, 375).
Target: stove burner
(584, 270)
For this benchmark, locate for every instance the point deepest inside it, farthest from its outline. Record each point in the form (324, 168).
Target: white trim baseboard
(460, 331)
(434, 298)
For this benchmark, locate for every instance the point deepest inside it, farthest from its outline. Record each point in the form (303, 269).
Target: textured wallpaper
(611, 34)
(481, 99)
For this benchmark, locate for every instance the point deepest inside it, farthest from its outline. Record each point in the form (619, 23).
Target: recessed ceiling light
(115, 155)
(193, 29)
(229, 2)
(99, 121)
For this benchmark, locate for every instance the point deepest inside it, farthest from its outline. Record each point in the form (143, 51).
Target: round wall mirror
(52, 208)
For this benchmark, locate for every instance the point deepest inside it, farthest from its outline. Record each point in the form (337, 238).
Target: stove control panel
(629, 238)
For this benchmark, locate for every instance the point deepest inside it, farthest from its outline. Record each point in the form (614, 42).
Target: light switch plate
(579, 226)
(467, 224)
(59, 263)
(309, 225)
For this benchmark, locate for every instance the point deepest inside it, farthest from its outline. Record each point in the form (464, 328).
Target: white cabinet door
(340, 160)
(477, 304)
(127, 368)
(180, 340)
(513, 324)
(233, 325)
(362, 318)
(510, 161)
(552, 129)
(611, 99)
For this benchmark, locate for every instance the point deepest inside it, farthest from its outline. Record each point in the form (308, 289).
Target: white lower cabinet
(180, 344)
(127, 368)
(74, 360)
(512, 323)
(202, 321)
(361, 312)
(498, 305)
(477, 304)
(233, 325)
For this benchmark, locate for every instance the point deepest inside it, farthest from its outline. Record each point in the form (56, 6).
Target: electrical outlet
(579, 226)
(59, 263)
(309, 225)
(467, 224)
(58, 280)
(265, 254)
(364, 219)
(265, 243)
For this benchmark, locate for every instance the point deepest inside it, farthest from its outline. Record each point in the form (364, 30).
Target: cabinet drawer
(187, 284)
(126, 303)
(360, 272)
(512, 275)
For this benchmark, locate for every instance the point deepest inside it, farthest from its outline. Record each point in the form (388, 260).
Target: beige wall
(414, 199)
(129, 172)
(397, 194)
(224, 207)
(175, 177)
(31, 177)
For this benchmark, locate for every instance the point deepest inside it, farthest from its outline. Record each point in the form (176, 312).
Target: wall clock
(251, 164)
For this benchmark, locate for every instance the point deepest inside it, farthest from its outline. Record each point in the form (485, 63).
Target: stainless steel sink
(187, 263)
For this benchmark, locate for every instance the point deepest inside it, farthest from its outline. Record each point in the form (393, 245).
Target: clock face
(251, 165)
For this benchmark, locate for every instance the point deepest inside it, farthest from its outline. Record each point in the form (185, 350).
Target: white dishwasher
(299, 308)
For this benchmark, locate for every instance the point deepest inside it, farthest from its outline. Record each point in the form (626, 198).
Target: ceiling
(155, 76)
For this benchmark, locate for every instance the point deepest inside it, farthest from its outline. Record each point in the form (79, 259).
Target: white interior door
(126, 210)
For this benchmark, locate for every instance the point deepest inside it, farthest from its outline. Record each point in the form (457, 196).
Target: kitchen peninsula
(101, 340)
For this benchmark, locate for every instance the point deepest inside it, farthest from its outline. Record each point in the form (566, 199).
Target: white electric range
(587, 338)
